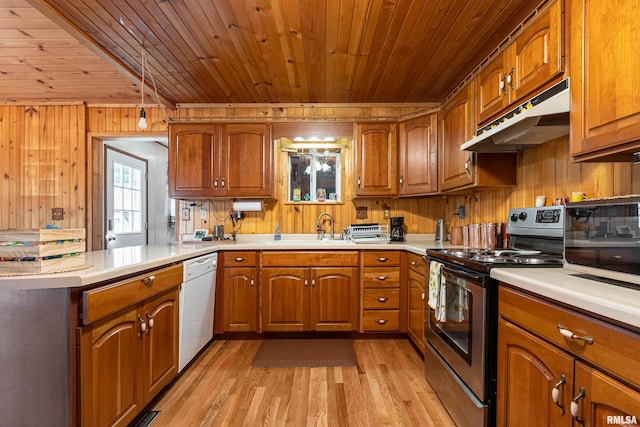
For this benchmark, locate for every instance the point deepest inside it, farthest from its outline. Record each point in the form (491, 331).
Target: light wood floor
(220, 388)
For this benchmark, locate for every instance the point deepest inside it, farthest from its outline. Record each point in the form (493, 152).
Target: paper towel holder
(248, 206)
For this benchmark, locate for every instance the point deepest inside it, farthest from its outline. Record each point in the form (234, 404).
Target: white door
(125, 199)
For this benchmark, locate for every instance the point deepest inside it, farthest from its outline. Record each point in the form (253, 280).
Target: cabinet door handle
(239, 259)
(401, 181)
(313, 282)
(148, 281)
(215, 183)
(358, 182)
(382, 278)
(252, 281)
(150, 320)
(502, 86)
(143, 326)
(555, 393)
(222, 183)
(382, 259)
(382, 299)
(468, 163)
(575, 406)
(567, 333)
(306, 283)
(381, 321)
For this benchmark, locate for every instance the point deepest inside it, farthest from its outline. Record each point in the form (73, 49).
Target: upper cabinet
(462, 170)
(532, 60)
(229, 160)
(418, 172)
(376, 159)
(605, 95)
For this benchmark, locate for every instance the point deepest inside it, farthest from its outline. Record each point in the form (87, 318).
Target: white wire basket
(368, 233)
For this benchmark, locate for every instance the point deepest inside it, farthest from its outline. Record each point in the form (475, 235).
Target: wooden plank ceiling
(247, 51)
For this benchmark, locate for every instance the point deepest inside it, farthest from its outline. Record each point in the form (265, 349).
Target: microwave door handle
(469, 276)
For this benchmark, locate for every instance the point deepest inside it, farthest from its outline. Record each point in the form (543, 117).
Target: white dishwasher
(197, 302)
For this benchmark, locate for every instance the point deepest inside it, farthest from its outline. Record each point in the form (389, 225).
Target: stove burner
(494, 259)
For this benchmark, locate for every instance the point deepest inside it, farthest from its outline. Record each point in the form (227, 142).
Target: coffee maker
(397, 231)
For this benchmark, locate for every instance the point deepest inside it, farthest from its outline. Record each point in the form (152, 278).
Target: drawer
(380, 258)
(239, 258)
(383, 277)
(310, 259)
(100, 302)
(614, 349)
(381, 320)
(381, 298)
(416, 263)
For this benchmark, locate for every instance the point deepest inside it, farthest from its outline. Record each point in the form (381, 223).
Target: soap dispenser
(277, 235)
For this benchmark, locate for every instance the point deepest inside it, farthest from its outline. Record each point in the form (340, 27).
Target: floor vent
(147, 418)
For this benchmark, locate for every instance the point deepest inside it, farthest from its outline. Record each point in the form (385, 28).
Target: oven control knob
(514, 217)
(522, 216)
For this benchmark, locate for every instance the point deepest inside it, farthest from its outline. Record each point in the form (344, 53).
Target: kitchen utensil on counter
(456, 235)
(441, 235)
(218, 232)
(541, 201)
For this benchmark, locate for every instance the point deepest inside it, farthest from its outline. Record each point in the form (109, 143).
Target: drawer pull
(555, 393)
(383, 278)
(414, 263)
(381, 321)
(382, 259)
(239, 259)
(567, 333)
(143, 325)
(148, 281)
(575, 407)
(381, 299)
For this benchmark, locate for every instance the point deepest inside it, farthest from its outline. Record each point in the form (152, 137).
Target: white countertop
(110, 264)
(613, 301)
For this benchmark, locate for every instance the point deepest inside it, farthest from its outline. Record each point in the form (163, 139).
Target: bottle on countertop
(277, 235)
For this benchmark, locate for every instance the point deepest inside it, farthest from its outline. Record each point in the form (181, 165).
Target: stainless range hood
(542, 118)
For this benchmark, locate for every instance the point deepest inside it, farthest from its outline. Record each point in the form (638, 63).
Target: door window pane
(127, 199)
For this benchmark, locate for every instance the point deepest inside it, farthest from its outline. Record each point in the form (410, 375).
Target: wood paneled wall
(42, 163)
(46, 161)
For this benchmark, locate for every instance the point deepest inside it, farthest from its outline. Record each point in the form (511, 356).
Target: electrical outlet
(203, 214)
(57, 214)
(387, 213)
(186, 214)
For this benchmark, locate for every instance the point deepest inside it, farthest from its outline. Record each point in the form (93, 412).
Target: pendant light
(142, 123)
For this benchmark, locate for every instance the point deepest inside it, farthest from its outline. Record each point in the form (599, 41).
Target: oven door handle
(465, 275)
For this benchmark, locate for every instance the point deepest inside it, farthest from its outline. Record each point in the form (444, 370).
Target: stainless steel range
(462, 314)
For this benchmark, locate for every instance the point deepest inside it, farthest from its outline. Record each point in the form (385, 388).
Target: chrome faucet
(319, 226)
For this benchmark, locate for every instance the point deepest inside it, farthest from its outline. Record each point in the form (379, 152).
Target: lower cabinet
(381, 292)
(130, 354)
(416, 267)
(559, 380)
(239, 287)
(309, 291)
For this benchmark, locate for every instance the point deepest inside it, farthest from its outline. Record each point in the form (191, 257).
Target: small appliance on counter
(441, 235)
(397, 229)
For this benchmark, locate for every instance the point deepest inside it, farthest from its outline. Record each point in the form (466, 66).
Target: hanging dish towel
(437, 291)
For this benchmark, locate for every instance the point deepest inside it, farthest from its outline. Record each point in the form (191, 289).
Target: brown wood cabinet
(605, 100)
(239, 293)
(309, 291)
(382, 297)
(531, 62)
(416, 282)
(595, 371)
(418, 168)
(130, 353)
(462, 170)
(228, 160)
(376, 161)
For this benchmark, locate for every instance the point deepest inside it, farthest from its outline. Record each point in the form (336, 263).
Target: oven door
(460, 340)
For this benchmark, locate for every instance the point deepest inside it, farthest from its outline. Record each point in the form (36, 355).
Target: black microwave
(602, 238)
